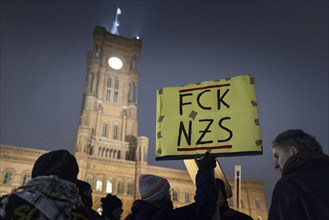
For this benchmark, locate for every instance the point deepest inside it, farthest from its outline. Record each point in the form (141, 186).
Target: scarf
(52, 196)
(298, 159)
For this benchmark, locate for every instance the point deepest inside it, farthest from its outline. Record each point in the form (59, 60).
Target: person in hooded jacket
(302, 192)
(50, 194)
(156, 204)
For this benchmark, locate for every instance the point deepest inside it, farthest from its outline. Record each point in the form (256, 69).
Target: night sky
(283, 44)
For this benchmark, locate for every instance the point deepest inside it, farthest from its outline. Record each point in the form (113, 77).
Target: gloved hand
(208, 161)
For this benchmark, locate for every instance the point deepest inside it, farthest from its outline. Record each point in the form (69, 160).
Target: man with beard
(155, 202)
(302, 193)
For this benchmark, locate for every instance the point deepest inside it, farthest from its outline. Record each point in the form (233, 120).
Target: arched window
(130, 190)
(26, 177)
(186, 196)
(115, 132)
(120, 187)
(109, 186)
(105, 129)
(99, 185)
(8, 177)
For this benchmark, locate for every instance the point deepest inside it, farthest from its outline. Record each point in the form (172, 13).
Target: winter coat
(302, 193)
(44, 198)
(203, 208)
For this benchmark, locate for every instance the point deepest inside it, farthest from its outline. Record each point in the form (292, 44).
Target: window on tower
(116, 90)
(108, 89)
(115, 98)
(105, 130)
(116, 85)
(115, 132)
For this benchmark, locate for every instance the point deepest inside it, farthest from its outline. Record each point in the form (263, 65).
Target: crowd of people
(54, 191)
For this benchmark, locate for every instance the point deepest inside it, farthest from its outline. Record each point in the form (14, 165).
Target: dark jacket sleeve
(205, 200)
(206, 193)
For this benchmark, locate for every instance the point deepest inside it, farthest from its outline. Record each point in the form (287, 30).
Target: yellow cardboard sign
(218, 115)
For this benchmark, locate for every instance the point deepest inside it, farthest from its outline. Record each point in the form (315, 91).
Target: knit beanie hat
(60, 163)
(110, 203)
(152, 188)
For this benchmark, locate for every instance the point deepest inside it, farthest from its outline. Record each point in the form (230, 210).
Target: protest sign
(218, 115)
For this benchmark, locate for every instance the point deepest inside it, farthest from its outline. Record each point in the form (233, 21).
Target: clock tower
(108, 123)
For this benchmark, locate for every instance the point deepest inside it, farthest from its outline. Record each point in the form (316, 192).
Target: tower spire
(116, 23)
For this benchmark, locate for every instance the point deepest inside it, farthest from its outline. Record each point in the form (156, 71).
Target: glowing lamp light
(115, 63)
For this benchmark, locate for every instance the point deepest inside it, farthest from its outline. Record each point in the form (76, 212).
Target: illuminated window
(120, 187)
(8, 177)
(26, 177)
(109, 186)
(99, 185)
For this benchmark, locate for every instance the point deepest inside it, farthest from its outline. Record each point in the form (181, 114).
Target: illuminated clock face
(115, 63)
